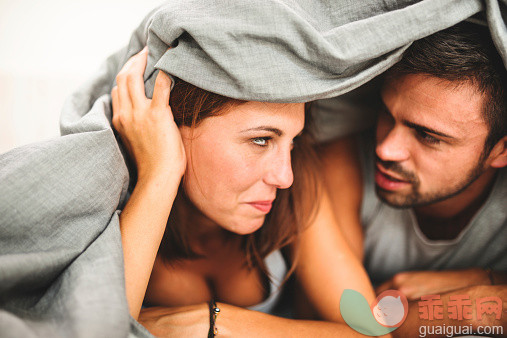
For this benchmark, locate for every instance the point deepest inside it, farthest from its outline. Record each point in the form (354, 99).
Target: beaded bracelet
(213, 313)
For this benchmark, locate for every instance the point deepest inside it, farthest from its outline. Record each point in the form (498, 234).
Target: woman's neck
(205, 236)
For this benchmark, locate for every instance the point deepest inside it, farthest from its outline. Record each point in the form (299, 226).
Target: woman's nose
(393, 146)
(279, 173)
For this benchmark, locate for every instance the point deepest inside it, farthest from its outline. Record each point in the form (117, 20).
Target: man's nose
(394, 146)
(279, 173)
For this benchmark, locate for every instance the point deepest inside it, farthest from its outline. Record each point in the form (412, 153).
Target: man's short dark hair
(463, 53)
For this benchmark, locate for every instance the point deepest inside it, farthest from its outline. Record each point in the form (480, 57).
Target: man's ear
(498, 155)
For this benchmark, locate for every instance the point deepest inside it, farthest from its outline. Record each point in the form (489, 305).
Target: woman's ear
(498, 155)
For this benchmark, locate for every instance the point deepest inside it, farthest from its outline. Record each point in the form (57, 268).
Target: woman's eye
(427, 138)
(261, 141)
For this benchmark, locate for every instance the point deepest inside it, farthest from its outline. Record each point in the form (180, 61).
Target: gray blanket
(61, 271)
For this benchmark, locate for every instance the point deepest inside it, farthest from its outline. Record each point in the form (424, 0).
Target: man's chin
(394, 199)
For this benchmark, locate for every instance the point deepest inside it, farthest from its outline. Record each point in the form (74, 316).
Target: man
(432, 199)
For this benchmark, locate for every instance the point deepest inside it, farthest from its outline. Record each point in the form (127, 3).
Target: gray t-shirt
(393, 241)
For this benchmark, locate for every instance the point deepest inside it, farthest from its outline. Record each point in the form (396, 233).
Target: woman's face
(236, 162)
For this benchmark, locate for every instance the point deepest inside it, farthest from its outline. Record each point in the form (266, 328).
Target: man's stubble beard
(415, 198)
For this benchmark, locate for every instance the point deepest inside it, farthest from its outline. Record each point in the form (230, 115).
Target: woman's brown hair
(292, 209)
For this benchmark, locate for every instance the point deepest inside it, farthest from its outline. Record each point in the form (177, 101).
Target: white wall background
(47, 49)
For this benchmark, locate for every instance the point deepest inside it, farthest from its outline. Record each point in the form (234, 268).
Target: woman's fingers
(135, 80)
(116, 107)
(130, 80)
(162, 90)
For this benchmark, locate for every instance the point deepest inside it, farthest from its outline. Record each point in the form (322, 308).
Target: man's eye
(261, 141)
(427, 138)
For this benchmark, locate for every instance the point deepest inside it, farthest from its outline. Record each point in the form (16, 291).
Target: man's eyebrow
(417, 126)
(265, 128)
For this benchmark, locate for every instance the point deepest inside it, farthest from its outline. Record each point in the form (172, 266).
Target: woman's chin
(247, 226)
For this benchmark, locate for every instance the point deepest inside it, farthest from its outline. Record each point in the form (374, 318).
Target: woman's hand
(147, 127)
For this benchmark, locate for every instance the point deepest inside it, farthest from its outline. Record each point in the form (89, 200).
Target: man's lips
(387, 181)
(389, 175)
(263, 206)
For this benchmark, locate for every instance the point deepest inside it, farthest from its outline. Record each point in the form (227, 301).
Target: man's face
(430, 138)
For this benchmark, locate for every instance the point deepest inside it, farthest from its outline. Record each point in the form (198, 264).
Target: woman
(235, 206)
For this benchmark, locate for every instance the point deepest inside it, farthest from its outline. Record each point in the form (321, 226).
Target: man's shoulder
(493, 209)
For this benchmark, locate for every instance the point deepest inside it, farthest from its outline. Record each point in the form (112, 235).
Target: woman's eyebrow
(264, 128)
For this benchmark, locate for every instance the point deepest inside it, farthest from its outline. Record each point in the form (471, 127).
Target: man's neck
(446, 219)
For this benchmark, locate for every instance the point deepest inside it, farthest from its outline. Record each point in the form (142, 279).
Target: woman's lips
(263, 206)
(387, 182)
